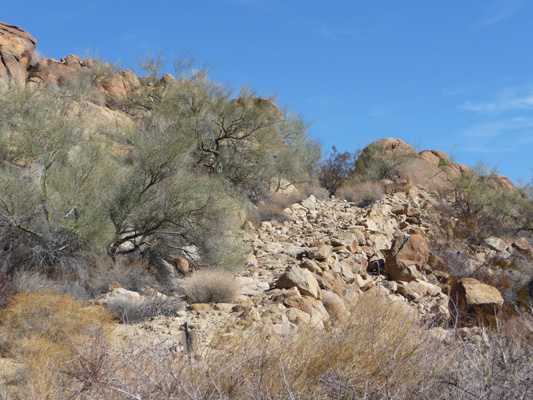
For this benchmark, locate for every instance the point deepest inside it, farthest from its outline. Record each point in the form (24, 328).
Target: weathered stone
(412, 290)
(334, 305)
(496, 243)
(16, 53)
(407, 258)
(181, 263)
(349, 240)
(319, 253)
(302, 279)
(118, 294)
(471, 299)
(523, 246)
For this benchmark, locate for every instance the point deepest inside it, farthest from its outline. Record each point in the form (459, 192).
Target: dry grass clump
(210, 286)
(362, 194)
(130, 311)
(271, 212)
(132, 274)
(40, 331)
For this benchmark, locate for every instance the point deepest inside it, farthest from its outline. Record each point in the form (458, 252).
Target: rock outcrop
(16, 53)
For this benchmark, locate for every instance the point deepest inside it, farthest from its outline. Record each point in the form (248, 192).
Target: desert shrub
(40, 330)
(129, 311)
(270, 212)
(7, 289)
(336, 169)
(362, 194)
(210, 286)
(132, 273)
(320, 193)
(481, 201)
(34, 282)
(498, 367)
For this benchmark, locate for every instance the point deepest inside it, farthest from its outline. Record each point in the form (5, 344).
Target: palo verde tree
(178, 179)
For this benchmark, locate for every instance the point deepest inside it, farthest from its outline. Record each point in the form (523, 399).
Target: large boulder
(471, 300)
(16, 53)
(407, 258)
(302, 279)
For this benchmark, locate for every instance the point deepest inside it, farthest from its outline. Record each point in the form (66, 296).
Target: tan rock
(407, 258)
(16, 53)
(302, 279)
(471, 299)
(180, 263)
(334, 305)
(523, 246)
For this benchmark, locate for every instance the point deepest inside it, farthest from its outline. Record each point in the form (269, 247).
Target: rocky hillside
(337, 298)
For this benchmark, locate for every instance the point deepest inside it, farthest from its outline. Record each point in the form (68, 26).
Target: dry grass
(210, 286)
(382, 352)
(41, 330)
(363, 194)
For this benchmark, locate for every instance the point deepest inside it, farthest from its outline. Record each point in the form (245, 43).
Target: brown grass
(363, 194)
(41, 330)
(210, 286)
(382, 352)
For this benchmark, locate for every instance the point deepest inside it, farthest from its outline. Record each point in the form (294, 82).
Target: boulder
(472, 300)
(523, 246)
(16, 53)
(407, 258)
(496, 243)
(301, 278)
(118, 295)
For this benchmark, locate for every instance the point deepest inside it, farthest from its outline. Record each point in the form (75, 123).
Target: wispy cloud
(512, 99)
(326, 101)
(519, 126)
(523, 103)
(319, 28)
(499, 11)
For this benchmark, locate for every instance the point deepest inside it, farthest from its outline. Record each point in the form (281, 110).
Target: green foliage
(480, 197)
(177, 181)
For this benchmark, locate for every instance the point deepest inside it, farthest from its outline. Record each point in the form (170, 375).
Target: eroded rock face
(16, 53)
(471, 299)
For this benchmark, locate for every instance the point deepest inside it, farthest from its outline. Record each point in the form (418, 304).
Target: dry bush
(40, 330)
(498, 367)
(363, 194)
(7, 289)
(132, 274)
(27, 281)
(319, 192)
(271, 212)
(129, 311)
(382, 352)
(210, 286)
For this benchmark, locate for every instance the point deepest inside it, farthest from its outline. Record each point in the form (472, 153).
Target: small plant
(129, 311)
(336, 169)
(7, 289)
(210, 286)
(362, 194)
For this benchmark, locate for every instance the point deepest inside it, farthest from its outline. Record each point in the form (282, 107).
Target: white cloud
(500, 11)
(521, 103)
(518, 126)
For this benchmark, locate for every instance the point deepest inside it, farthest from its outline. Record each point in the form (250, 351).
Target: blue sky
(452, 75)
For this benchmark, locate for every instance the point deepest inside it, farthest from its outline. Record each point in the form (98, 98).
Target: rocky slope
(308, 270)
